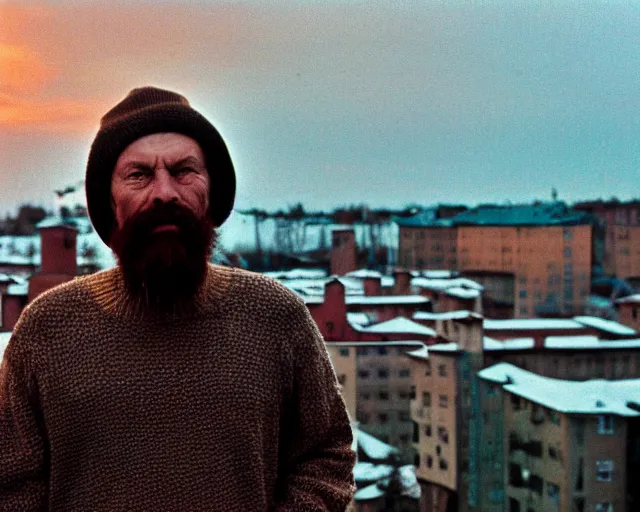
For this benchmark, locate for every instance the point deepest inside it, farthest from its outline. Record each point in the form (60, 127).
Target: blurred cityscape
(489, 356)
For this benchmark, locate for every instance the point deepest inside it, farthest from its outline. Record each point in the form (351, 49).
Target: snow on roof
(371, 492)
(369, 472)
(358, 318)
(439, 274)
(398, 325)
(373, 447)
(402, 343)
(421, 353)
(608, 326)
(364, 273)
(4, 341)
(298, 273)
(634, 299)
(445, 315)
(597, 396)
(510, 344)
(386, 299)
(387, 281)
(444, 283)
(462, 293)
(588, 343)
(444, 347)
(18, 289)
(531, 323)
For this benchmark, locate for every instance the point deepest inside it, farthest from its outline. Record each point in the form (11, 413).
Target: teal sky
(334, 103)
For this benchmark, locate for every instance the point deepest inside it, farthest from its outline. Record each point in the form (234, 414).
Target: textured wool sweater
(232, 405)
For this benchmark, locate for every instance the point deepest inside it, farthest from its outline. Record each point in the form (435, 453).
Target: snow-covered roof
(588, 343)
(364, 273)
(445, 283)
(18, 289)
(358, 318)
(530, 323)
(421, 353)
(387, 281)
(401, 343)
(511, 344)
(608, 326)
(634, 299)
(444, 347)
(445, 315)
(370, 492)
(4, 341)
(373, 447)
(398, 325)
(462, 293)
(597, 396)
(408, 480)
(298, 273)
(386, 299)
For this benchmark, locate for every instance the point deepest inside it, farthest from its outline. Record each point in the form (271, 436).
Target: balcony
(420, 414)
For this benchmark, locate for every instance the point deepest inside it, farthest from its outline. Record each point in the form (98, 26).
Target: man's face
(160, 168)
(163, 236)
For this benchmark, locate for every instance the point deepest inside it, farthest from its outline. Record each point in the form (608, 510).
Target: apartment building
(620, 222)
(566, 445)
(376, 384)
(536, 259)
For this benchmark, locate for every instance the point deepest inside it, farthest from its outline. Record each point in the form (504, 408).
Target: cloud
(21, 70)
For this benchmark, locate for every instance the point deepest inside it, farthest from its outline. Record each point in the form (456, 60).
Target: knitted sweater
(232, 406)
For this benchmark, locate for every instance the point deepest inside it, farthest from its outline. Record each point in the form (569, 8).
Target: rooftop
(531, 323)
(398, 325)
(598, 396)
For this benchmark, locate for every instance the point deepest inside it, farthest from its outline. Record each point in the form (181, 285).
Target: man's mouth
(165, 228)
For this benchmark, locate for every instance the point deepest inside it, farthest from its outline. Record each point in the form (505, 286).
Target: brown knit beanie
(144, 111)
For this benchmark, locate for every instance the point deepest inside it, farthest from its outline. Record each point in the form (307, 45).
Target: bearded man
(168, 383)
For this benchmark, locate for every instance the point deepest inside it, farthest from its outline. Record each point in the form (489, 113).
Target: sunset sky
(339, 102)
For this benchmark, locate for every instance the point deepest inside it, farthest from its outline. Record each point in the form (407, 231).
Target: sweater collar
(109, 292)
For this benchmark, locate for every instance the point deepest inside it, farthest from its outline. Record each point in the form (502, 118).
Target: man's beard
(164, 271)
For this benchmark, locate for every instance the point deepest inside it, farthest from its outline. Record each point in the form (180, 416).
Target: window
(404, 416)
(426, 399)
(383, 417)
(363, 374)
(344, 351)
(442, 370)
(604, 470)
(605, 424)
(383, 373)
(427, 368)
(404, 439)
(429, 461)
(605, 506)
(404, 373)
(553, 491)
(427, 430)
(383, 395)
(443, 435)
(443, 401)
(382, 351)
(342, 379)
(443, 464)
(567, 252)
(365, 395)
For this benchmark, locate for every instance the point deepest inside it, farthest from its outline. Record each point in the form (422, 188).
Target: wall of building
(343, 358)
(428, 248)
(630, 314)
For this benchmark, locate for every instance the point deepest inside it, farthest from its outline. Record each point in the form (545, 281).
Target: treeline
(28, 216)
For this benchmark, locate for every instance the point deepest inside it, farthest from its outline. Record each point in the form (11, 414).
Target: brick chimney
(402, 285)
(343, 251)
(58, 240)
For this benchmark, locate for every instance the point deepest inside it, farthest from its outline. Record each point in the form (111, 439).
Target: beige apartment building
(377, 385)
(568, 446)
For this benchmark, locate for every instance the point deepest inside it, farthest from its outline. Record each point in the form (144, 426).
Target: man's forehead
(172, 146)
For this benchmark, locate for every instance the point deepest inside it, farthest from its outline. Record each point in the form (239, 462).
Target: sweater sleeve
(23, 482)
(317, 461)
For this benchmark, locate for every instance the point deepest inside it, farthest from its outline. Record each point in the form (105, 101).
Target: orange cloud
(21, 114)
(21, 70)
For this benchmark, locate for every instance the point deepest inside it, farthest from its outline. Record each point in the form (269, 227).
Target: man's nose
(164, 187)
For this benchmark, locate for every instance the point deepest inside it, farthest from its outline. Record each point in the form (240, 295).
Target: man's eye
(137, 175)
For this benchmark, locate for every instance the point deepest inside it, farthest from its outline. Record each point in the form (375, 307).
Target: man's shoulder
(247, 281)
(72, 294)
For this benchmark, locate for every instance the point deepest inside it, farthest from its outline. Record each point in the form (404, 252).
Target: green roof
(541, 214)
